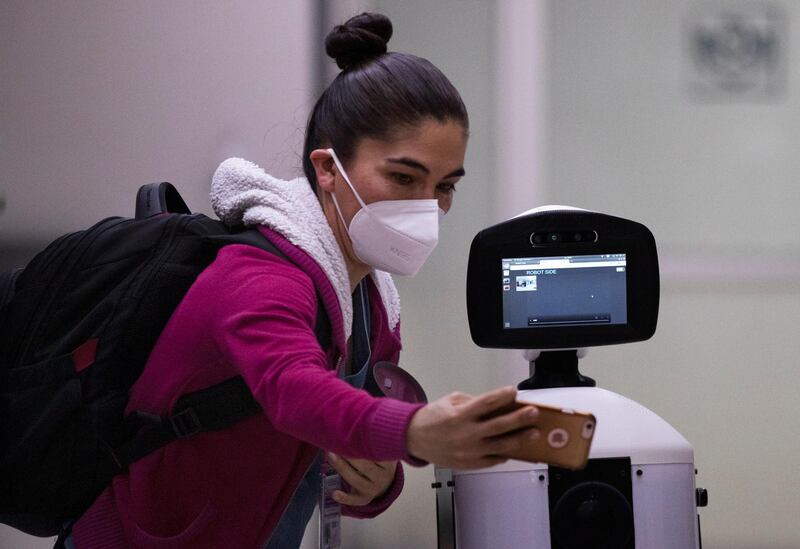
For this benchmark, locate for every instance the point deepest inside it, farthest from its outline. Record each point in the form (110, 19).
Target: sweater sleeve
(264, 326)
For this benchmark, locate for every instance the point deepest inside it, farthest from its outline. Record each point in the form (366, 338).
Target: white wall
(98, 98)
(714, 176)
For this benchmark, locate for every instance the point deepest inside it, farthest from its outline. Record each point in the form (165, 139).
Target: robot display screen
(562, 279)
(578, 290)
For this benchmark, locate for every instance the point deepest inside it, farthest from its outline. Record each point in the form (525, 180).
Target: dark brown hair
(377, 92)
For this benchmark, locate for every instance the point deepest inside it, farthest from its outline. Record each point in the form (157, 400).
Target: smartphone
(566, 436)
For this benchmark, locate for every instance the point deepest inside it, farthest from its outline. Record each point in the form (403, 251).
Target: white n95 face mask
(395, 236)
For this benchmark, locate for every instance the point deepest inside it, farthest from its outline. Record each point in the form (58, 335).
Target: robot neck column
(555, 369)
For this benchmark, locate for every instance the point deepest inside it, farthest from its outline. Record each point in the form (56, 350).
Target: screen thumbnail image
(526, 283)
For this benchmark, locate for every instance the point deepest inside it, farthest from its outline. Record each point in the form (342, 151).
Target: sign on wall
(736, 51)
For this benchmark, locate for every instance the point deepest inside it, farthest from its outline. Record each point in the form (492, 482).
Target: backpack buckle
(186, 423)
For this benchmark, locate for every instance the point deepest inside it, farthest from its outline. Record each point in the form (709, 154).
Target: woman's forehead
(428, 141)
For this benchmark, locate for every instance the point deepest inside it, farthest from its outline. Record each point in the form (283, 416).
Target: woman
(384, 150)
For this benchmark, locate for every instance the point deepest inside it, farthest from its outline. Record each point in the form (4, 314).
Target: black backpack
(76, 328)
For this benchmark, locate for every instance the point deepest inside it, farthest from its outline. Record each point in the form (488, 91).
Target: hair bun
(361, 38)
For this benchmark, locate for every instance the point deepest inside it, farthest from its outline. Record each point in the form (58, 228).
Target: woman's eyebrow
(456, 173)
(411, 163)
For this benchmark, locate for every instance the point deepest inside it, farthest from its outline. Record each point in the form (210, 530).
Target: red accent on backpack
(84, 356)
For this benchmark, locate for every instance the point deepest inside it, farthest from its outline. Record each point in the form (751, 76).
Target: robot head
(562, 278)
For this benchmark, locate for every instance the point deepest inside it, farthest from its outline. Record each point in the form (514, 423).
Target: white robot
(559, 280)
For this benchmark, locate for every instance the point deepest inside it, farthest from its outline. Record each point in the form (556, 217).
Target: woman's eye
(402, 178)
(447, 188)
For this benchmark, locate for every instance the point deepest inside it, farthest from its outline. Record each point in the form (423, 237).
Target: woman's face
(422, 162)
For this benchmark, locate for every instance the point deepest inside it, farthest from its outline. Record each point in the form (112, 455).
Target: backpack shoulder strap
(159, 198)
(212, 409)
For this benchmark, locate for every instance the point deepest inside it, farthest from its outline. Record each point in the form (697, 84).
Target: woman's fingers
(506, 444)
(524, 417)
(367, 479)
(350, 474)
(490, 461)
(386, 466)
(489, 402)
(351, 499)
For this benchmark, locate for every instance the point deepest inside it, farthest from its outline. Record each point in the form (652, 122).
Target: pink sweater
(249, 313)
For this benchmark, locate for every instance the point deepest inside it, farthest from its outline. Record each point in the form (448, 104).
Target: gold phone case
(566, 436)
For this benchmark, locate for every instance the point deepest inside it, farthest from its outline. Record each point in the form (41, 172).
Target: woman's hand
(367, 479)
(461, 432)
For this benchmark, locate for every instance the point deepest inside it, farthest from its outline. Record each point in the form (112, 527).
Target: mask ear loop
(347, 179)
(352, 188)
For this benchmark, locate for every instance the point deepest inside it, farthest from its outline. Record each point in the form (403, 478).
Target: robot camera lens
(554, 237)
(578, 237)
(536, 238)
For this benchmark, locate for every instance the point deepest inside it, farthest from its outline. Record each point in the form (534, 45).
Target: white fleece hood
(242, 193)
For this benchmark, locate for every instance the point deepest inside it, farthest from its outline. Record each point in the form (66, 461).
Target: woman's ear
(324, 167)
